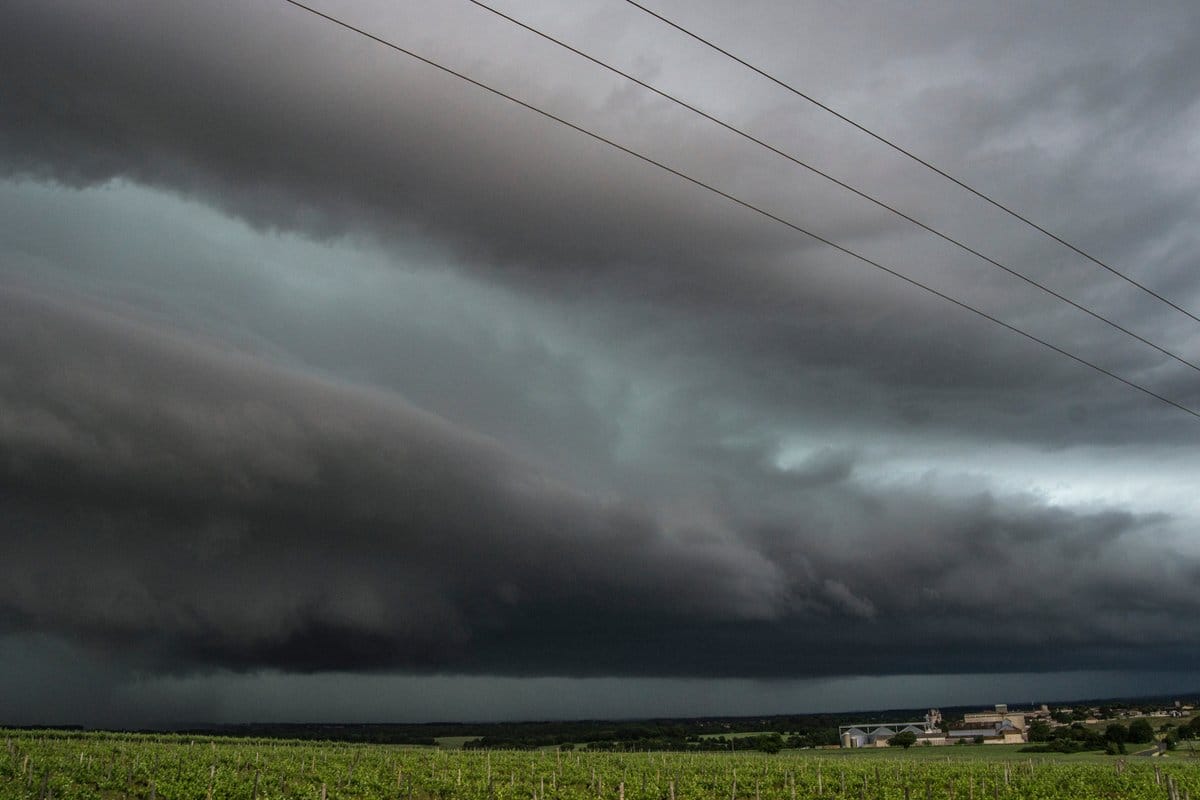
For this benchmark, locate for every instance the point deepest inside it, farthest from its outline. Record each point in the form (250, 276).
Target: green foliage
(905, 739)
(1116, 732)
(86, 766)
(819, 737)
(1071, 739)
(1140, 731)
(1039, 731)
(768, 743)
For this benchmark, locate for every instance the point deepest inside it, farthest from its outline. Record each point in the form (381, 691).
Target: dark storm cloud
(170, 499)
(715, 450)
(278, 513)
(358, 139)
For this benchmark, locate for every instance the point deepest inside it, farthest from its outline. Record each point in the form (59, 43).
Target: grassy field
(453, 742)
(47, 765)
(970, 752)
(737, 735)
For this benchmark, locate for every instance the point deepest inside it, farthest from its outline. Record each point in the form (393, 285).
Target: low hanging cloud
(163, 488)
(201, 508)
(316, 361)
(848, 601)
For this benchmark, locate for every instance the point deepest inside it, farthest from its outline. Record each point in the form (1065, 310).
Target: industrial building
(999, 726)
(993, 727)
(877, 734)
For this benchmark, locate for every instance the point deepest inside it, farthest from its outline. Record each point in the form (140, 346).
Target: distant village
(1115, 727)
(998, 726)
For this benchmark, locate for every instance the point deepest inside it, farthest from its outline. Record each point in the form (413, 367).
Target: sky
(337, 388)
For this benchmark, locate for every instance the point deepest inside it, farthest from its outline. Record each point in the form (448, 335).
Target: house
(1001, 731)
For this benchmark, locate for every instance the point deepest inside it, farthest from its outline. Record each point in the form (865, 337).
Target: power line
(880, 138)
(846, 186)
(744, 203)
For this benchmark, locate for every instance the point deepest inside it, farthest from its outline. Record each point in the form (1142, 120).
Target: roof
(1003, 724)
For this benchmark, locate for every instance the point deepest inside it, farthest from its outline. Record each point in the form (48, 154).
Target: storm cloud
(319, 361)
(166, 495)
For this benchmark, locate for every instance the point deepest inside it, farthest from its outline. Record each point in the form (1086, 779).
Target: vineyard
(47, 765)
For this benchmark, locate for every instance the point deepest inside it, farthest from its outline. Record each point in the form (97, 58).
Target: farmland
(44, 765)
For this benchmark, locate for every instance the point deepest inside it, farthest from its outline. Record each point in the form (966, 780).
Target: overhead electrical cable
(743, 203)
(846, 186)
(909, 154)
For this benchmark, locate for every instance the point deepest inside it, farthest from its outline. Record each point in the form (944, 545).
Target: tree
(1090, 739)
(768, 743)
(1140, 731)
(1039, 731)
(905, 739)
(1116, 732)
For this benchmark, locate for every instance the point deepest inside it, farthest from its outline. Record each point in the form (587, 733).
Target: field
(45, 765)
(1000, 753)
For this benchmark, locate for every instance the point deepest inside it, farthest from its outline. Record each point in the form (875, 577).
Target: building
(877, 734)
(1001, 731)
(999, 715)
(999, 726)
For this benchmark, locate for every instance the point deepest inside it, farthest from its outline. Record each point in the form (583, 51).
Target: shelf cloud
(318, 361)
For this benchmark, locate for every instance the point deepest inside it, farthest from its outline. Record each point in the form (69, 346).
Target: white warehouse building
(877, 734)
